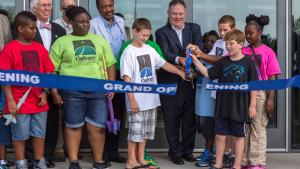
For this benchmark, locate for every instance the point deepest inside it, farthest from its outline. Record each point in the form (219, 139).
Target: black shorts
(226, 126)
(206, 126)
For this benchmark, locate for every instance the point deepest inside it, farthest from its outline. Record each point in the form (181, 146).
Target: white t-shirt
(140, 64)
(219, 48)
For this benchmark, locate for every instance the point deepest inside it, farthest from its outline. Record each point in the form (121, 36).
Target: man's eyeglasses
(45, 5)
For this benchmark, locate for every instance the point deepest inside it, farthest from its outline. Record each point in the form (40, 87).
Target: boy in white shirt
(139, 62)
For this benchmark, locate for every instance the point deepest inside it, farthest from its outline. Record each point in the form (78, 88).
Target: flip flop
(137, 167)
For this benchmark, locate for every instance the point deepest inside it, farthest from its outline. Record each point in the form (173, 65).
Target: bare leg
(38, 147)
(239, 149)
(97, 138)
(220, 144)
(2, 152)
(141, 151)
(19, 148)
(132, 155)
(73, 138)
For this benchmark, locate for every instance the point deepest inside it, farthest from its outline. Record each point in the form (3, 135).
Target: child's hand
(252, 111)
(43, 97)
(196, 51)
(182, 75)
(134, 106)
(12, 107)
(269, 107)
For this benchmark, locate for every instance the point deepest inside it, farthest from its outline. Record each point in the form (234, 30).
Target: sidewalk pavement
(275, 161)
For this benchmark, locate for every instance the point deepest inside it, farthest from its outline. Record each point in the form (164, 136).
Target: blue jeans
(80, 107)
(5, 138)
(29, 125)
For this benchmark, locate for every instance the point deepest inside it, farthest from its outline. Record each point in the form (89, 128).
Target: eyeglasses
(45, 5)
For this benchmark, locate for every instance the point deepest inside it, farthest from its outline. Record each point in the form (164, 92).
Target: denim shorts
(80, 107)
(5, 137)
(29, 125)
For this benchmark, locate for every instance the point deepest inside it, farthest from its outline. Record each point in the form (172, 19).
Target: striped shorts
(141, 125)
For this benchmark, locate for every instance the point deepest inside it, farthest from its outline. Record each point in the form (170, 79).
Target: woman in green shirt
(83, 54)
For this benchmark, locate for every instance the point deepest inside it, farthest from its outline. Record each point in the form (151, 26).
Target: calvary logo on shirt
(145, 68)
(234, 72)
(84, 50)
(31, 61)
(219, 51)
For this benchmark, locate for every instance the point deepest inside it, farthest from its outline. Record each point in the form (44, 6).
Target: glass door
(207, 13)
(295, 71)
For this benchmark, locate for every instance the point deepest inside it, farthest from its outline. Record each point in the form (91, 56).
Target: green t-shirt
(148, 42)
(82, 56)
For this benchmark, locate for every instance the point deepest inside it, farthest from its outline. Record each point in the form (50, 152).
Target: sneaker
(149, 159)
(74, 165)
(228, 160)
(205, 160)
(4, 166)
(40, 165)
(102, 165)
(258, 167)
(21, 164)
(202, 155)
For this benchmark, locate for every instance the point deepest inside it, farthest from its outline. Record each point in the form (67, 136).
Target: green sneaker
(149, 159)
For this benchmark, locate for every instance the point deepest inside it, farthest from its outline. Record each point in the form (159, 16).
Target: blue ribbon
(278, 84)
(23, 78)
(188, 63)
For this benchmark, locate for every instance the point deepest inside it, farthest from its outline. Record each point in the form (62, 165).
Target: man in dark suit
(47, 33)
(178, 110)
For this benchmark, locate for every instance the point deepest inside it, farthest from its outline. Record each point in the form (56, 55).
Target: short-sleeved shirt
(265, 61)
(33, 58)
(148, 42)
(140, 64)
(219, 48)
(233, 104)
(82, 56)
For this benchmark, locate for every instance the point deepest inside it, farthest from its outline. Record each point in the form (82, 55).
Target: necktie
(45, 26)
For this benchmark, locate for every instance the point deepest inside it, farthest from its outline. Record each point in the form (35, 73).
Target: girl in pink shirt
(267, 68)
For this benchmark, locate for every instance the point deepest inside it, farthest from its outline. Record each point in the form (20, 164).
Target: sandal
(149, 166)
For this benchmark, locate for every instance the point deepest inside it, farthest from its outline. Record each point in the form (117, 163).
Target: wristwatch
(46, 90)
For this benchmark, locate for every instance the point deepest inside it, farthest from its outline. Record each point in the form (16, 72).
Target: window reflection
(55, 10)
(154, 10)
(9, 6)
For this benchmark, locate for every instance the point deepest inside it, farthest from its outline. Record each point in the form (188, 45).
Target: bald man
(64, 21)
